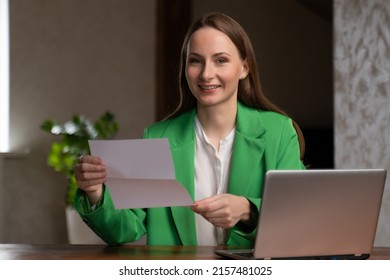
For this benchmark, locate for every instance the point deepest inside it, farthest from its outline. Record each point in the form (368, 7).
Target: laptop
(317, 214)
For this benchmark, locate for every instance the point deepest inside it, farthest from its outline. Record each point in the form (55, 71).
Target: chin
(207, 102)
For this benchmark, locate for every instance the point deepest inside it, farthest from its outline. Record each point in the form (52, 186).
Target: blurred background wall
(89, 56)
(362, 92)
(70, 57)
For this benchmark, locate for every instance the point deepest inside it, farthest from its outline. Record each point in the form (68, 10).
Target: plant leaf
(75, 134)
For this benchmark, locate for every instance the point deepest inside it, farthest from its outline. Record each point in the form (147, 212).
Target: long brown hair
(249, 89)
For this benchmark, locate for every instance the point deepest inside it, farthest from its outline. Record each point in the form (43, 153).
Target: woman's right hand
(90, 173)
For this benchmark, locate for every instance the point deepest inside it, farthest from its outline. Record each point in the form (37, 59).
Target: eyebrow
(214, 55)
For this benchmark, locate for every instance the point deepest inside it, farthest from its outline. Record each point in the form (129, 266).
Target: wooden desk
(103, 252)
(126, 252)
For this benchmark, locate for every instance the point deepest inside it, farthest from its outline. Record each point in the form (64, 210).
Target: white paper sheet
(140, 173)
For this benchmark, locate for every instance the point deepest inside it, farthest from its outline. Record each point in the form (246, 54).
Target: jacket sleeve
(282, 152)
(114, 226)
(288, 151)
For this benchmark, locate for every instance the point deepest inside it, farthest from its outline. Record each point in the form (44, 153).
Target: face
(213, 68)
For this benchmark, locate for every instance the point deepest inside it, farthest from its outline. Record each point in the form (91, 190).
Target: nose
(208, 71)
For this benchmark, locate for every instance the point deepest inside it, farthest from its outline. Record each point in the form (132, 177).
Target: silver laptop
(317, 214)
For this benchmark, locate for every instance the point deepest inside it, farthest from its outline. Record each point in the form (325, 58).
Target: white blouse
(211, 178)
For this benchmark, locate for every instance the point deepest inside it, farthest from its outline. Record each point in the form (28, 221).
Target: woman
(224, 136)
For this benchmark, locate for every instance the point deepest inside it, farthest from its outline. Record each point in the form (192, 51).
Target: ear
(244, 70)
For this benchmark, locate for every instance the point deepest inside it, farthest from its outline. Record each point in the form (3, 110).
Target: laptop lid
(314, 213)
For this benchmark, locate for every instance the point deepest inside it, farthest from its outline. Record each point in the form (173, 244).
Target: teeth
(209, 87)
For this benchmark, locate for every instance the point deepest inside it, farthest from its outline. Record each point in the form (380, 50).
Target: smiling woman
(224, 136)
(4, 77)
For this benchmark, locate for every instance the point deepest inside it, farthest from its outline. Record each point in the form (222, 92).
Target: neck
(217, 121)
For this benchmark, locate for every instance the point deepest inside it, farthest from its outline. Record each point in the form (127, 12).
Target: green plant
(75, 134)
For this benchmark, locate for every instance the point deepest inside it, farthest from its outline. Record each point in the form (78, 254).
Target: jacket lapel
(248, 150)
(181, 139)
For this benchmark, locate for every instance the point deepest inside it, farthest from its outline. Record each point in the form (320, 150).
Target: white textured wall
(362, 92)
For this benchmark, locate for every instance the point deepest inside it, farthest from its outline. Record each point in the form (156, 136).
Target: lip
(208, 88)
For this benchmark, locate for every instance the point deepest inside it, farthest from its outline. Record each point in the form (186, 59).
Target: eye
(194, 60)
(222, 60)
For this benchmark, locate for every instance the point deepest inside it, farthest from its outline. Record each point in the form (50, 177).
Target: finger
(210, 204)
(89, 159)
(85, 176)
(80, 159)
(90, 185)
(207, 200)
(87, 167)
(202, 209)
(204, 204)
(219, 221)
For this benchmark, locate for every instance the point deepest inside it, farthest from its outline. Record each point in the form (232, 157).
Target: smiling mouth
(208, 87)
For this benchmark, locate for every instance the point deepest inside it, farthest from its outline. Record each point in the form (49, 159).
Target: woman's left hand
(223, 210)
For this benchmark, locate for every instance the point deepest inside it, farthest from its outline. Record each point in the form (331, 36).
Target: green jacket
(263, 141)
